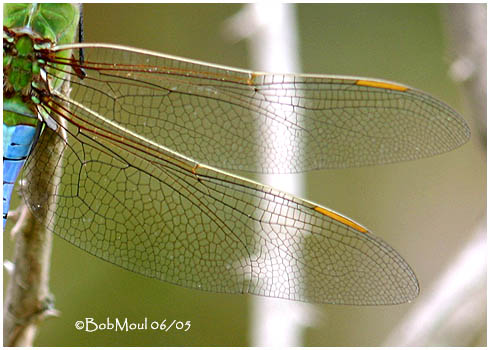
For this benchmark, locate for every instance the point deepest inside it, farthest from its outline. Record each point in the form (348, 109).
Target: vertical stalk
(28, 300)
(271, 32)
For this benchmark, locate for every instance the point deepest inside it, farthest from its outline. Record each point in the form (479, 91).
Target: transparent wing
(150, 211)
(217, 115)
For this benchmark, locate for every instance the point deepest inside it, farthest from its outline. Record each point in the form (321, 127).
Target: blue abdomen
(17, 143)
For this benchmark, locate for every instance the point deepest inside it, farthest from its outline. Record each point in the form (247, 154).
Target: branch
(28, 300)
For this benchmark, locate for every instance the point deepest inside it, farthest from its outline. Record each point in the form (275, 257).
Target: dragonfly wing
(219, 115)
(153, 213)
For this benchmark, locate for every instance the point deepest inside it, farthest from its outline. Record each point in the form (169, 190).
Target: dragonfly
(144, 177)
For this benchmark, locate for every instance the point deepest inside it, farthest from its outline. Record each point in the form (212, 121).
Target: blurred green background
(426, 209)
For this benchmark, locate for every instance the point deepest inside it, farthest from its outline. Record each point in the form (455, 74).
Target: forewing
(227, 117)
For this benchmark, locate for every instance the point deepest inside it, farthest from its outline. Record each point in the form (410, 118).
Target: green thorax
(28, 28)
(21, 71)
(20, 64)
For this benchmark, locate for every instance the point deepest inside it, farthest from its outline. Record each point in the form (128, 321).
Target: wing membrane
(151, 212)
(216, 115)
